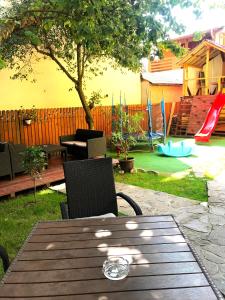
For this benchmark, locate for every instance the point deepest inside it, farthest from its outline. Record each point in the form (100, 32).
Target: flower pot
(27, 121)
(127, 165)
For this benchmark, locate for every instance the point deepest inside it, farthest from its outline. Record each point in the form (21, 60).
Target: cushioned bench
(85, 143)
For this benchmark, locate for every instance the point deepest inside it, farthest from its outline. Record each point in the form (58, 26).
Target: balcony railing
(165, 64)
(204, 85)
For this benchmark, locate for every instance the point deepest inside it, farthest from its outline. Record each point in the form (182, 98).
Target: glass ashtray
(115, 268)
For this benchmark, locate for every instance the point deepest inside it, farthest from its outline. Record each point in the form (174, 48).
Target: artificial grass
(189, 186)
(147, 160)
(214, 141)
(154, 162)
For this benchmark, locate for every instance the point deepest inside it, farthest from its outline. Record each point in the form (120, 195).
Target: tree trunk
(88, 116)
(35, 189)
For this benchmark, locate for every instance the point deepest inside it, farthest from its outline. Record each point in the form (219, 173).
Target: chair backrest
(5, 165)
(16, 157)
(86, 134)
(5, 258)
(90, 187)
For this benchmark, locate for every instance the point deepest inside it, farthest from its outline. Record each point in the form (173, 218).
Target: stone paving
(203, 223)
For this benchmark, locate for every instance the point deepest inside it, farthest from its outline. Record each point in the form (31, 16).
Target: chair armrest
(64, 210)
(5, 165)
(5, 258)
(64, 138)
(96, 147)
(132, 203)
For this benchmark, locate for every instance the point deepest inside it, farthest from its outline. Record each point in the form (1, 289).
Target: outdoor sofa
(5, 163)
(11, 159)
(16, 151)
(85, 143)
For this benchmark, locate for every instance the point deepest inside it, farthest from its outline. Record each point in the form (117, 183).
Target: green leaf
(2, 64)
(67, 23)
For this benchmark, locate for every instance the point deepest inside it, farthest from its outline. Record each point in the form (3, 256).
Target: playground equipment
(179, 149)
(204, 134)
(156, 135)
(156, 129)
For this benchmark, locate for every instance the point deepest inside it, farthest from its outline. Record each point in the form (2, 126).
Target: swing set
(156, 126)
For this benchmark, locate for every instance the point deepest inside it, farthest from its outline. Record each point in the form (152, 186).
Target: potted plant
(27, 116)
(128, 129)
(34, 162)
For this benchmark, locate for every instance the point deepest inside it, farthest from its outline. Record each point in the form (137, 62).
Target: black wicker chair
(16, 151)
(5, 258)
(91, 189)
(85, 143)
(5, 165)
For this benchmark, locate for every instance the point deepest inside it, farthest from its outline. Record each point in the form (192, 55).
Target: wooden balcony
(204, 85)
(165, 64)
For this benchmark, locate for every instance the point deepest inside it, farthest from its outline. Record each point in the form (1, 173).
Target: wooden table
(63, 260)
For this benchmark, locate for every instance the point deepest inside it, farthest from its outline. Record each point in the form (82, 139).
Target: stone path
(203, 223)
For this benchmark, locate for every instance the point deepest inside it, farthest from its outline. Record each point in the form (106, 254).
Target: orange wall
(156, 92)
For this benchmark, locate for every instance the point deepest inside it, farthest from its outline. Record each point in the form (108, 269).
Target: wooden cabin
(204, 69)
(203, 78)
(158, 76)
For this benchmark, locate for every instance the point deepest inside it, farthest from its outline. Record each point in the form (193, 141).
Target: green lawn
(189, 186)
(18, 216)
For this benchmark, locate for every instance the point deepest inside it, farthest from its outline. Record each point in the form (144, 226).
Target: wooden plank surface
(113, 227)
(96, 273)
(63, 260)
(34, 245)
(106, 221)
(96, 252)
(103, 285)
(199, 293)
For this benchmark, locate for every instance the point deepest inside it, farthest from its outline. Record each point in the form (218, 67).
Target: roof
(211, 31)
(197, 57)
(170, 77)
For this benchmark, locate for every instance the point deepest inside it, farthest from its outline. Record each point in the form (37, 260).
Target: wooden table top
(63, 260)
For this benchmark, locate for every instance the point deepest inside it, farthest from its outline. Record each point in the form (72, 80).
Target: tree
(34, 162)
(77, 34)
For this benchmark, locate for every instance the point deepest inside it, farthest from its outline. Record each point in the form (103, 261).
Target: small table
(51, 148)
(63, 260)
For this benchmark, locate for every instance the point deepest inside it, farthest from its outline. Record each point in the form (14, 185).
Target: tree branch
(51, 55)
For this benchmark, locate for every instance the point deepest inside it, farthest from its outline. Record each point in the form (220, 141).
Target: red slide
(203, 135)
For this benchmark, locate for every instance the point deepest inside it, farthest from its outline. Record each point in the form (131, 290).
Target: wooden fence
(53, 122)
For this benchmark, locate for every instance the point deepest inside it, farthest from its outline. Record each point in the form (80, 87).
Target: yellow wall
(52, 88)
